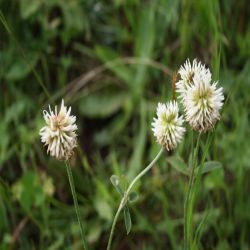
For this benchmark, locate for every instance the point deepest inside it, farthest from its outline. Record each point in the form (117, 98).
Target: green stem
(198, 178)
(201, 165)
(126, 194)
(114, 223)
(187, 205)
(73, 191)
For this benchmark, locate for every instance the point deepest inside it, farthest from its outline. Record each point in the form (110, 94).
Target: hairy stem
(187, 205)
(126, 194)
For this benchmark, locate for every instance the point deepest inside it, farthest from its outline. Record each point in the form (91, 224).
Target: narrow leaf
(127, 219)
(115, 180)
(210, 166)
(133, 197)
(178, 163)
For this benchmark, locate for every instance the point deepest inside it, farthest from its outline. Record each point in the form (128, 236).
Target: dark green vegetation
(112, 62)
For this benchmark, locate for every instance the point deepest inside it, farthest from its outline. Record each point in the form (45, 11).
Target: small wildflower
(167, 127)
(202, 104)
(188, 72)
(59, 134)
(201, 99)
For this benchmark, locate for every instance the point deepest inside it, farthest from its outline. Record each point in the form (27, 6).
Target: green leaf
(214, 179)
(133, 196)
(210, 166)
(127, 219)
(178, 163)
(115, 180)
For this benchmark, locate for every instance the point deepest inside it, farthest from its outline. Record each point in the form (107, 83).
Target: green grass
(113, 61)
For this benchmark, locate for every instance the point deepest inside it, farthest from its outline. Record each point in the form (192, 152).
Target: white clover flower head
(202, 103)
(187, 73)
(59, 133)
(167, 127)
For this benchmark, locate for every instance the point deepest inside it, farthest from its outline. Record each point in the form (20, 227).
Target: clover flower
(59, 134)
(200, 97)
(188, 72)
(202, 103)
(167, 127)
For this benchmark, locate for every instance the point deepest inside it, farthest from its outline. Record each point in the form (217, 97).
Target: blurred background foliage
(113, 61)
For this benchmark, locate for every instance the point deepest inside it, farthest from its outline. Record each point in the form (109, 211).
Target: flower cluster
(59, 134)
(201, 98)
(202, 101)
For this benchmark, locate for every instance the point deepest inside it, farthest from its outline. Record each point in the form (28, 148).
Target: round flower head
(188, 72)
(202, 104)
(59, 134)
(167, 127)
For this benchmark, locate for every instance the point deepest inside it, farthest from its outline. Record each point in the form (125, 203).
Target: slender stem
(73, 191)
(114, 223)
(187, 200)
(201, 165)
(197, 179)
(143, 172)
(126, 194)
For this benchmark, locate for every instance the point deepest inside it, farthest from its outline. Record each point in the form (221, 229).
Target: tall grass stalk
(73, 191)
(126, 195)
(194, 181)
(187, 205)
(195, 189)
